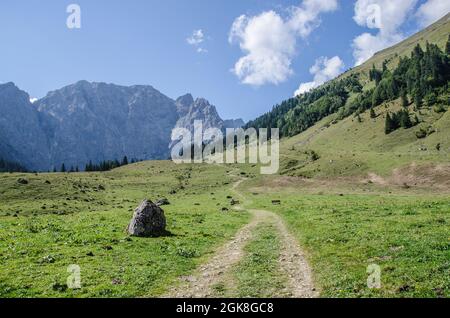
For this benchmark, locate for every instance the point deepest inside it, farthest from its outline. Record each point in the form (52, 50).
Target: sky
(243, 56)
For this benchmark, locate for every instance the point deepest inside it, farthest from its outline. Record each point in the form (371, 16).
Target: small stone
(22, 181)
(48, 259)
(234, 202)
(116, 281)
(162, 201)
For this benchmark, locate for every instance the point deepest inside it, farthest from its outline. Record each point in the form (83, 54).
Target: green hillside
(341, 129)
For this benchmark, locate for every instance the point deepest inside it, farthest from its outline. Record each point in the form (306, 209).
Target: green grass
(258, 274)
(407, 236)
(350, 148)
(85, 215)
(79, 220)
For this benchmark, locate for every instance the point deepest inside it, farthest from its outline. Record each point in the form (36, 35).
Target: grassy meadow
(79, 218)
(60, 219)
(406, 235)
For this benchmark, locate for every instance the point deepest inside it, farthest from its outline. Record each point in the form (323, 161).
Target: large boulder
(148, 220)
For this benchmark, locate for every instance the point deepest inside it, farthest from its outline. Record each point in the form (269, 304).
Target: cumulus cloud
(386, 16)
(33, 100)
(269, 40)
(196, 39)
(431, 11)
(323, 70)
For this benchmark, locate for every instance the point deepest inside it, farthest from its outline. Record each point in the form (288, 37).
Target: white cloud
(324, 69)
(33, 100)
(384, 15)
(431, 11)
(269, 40)
(196, 39)
(202, 50)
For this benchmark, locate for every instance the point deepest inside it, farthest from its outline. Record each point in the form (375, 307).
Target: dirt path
(292, 260)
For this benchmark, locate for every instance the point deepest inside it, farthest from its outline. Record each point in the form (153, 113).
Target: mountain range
(88, 121)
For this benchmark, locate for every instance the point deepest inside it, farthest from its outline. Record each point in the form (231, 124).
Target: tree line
(11, 166)
(105, 165)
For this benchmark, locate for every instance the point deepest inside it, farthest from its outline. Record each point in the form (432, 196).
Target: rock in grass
(148, 220)
(48, 259)
(234, 202)
(22, 181)
(162, 201)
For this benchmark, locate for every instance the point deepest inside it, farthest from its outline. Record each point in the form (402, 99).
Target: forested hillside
(421, 80)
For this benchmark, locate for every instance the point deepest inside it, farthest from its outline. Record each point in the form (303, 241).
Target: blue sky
(146, 42)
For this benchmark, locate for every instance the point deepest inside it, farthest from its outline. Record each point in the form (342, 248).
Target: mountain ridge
(94, 121)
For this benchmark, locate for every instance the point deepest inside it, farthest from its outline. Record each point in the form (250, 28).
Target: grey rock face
(94, 122)
(98, 121)
(183, 104)
(22, 138)
(200, 109)
(148, 220)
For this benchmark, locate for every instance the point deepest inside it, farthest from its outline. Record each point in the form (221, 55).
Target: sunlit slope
(350, 147)
(359, 146)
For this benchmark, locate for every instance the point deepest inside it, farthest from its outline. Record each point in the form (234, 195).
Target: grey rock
(234, 202)
(22, 181)
(162, 201)
(148, 220)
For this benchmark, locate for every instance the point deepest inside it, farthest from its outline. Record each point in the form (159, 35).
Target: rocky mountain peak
(10, 90)
(183, 104)
(91, 121)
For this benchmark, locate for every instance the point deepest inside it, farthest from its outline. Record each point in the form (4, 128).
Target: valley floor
(316, 241)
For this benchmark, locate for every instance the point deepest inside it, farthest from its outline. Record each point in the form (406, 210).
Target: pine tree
(404, 97)
(385, 66)
(404, 119)
(375, 75)
(418, 100)
(63, 168)
(389, 126)
(125, 161)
